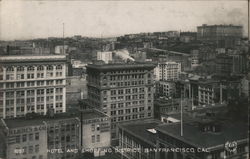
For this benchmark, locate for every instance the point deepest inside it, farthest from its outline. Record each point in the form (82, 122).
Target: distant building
(61, 49)
(166, 106)
(76, 89)
(167, 71)
(188, 37)
(245, 86)
(140, 136)
(105, 56)
(122, 91)
(206, 139)
(223, 36)
(195, 58)
(32, 84)
(224, 65)
(164, 89)
(209, 92)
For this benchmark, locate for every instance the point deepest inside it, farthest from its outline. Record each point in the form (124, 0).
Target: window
(24, 137)
(50, 67)
(36, 148)
(67, 138)
(40, 68)
(18, 139)
(93, 138)
(30, 149)
(98, 138)
(36, 136)
(93, 127)
(59, 67)
(10, 69)
(30, 68)
(30, 137)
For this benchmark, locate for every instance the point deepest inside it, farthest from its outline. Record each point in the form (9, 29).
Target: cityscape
(181, 93)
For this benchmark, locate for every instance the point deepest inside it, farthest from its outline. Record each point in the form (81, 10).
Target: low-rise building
(206, 139)
(138, 139)
(24, 138)
(64, 135)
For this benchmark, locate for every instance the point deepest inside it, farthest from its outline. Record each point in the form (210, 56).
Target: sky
(30, 19)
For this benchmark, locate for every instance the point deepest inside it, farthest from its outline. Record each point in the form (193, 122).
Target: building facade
(122, 91)
(139, 138)
(24, 139)
(32, 84)
(164, 89)
(209, 92)
(167, 71)
(222, 35)
(205, 139)
(104, 56)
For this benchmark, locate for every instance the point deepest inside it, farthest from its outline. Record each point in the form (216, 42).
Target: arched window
(31, 68)
(50, 67)
(20, 68)
(59, 67)
(10, 69)
(40, 68)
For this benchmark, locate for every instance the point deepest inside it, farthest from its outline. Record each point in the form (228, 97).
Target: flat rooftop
(40, 119)
(230, 131)
(139, 129)
(124, 66)
(31, 58)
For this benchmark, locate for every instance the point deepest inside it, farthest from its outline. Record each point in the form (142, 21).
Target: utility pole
(63, 39)
(181, 118)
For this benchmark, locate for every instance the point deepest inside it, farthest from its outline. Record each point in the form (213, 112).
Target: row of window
(128, 111)
(30, 76)
(128, 117)
(27, 137)
(32, 68)
(31, 83)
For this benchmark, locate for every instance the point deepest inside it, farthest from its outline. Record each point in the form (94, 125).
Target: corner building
(122, 91)
(32, 84)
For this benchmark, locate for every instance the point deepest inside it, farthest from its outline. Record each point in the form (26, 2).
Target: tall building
(32, 84)
(104, 56)
(222, 35)
(224, 65)
(167, 71)
(122, 91)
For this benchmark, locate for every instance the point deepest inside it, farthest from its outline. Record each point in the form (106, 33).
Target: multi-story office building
(122, 91)
(167, 71)
(96, 132)
(222, 35)
(164, 89)
(209, 92)
(64, 135)
(32, 84)
(24, 138)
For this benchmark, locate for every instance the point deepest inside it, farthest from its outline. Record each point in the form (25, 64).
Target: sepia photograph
(124, 79)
